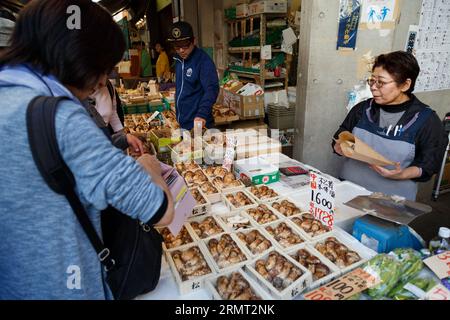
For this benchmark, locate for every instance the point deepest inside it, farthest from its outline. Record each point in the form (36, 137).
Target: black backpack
(131, 251)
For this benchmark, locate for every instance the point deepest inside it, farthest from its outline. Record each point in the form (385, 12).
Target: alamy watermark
(74, 20)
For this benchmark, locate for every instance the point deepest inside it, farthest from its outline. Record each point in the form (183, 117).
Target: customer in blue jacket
(197, 84)
(44, 251)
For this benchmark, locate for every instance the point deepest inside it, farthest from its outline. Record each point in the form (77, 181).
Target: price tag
(153, 117)
(440, 264)
(322, 202)
(345, 287)
(438, 293)
(230, 152)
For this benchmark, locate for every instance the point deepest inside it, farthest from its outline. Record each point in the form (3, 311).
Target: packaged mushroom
(310, 225)
(205, 227)
(280, 274)
(182, 167)
(189, 266)
(318, 266)
(284, 234)
(224, 181)
(203, 205)
(170, 241)
(215, 171)
(211, 192)
(263, 193)
(262, 214)
(234, 286)
(286, 208)
(225, 252)
(194, 178)
(338, 253)
(254, 241)
(238, 200)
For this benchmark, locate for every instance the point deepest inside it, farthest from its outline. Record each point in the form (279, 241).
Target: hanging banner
(349, 15)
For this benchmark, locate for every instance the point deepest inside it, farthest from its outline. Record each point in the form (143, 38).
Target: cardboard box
(279, 6)
(256, 170)
(247, 107)
(242, 10)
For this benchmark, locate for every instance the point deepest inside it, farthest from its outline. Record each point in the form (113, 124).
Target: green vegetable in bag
(387, 270)
(411, 263)
(412, 290)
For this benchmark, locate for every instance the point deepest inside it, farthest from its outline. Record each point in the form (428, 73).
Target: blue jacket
(197, 88)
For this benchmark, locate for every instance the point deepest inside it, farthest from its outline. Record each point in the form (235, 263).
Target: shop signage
(345, 287)
(322, 201)
(440, 264)
(349, 15)
(230, 153)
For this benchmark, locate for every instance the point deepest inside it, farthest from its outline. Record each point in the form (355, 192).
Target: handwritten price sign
(345, 287)
(322, 198)
(440, 264)
(439, 292)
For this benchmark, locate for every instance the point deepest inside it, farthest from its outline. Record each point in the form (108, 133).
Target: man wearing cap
(197, 84)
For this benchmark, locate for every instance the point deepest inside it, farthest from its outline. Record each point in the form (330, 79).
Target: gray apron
(400, 148)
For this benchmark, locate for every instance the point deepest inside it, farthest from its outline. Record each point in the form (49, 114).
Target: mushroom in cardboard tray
(206, 228)
(208, 188)
(225, 251)
(172, 242)
(190, 263)
(195, 177)
(277, 270)
(263, 192)
(312, 263)
(255, 241)
(235, 287)
(198, 196)
(284, 235)
(239, 199)
(310, 225)
(337, 253)
(187, 166)
(286, 208)
(262, 214)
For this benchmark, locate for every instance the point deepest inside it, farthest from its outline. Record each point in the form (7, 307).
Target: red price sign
(438, 293)
(345, 287)
(440, 264)
(322, 200)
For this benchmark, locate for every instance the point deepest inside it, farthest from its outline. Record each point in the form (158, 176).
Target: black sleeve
(350, 121)
(160, 213)
(431, 142)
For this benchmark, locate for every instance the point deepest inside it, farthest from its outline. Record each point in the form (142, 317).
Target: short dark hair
(78, 57)
(401, 65)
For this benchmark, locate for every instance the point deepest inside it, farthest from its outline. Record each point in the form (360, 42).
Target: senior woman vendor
(398, 126)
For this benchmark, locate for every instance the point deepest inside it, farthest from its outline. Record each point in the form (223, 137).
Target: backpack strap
(40, 118)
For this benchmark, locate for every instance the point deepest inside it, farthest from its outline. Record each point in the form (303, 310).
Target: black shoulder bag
(131, 251)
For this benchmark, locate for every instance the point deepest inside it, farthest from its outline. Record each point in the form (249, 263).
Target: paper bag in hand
(354, 148)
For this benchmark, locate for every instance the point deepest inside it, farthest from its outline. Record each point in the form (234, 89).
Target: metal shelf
(248, 49)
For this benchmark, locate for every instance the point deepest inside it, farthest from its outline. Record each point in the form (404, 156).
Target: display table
(344, 218)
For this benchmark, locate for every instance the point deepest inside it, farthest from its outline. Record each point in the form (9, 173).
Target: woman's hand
(338, 149)
(395, 174)
(151, 165)
(136, 144)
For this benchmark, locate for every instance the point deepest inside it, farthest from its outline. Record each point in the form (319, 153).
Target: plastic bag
(411, 263)
(414, 289)
(386, 269)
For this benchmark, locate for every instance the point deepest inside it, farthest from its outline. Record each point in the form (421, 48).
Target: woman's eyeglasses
(379, 84)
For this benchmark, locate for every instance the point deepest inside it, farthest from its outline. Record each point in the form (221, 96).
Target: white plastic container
(258, 222)
(230, 221)
(264, 200)
(253, 254)
(277, 243)
(232, 208)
